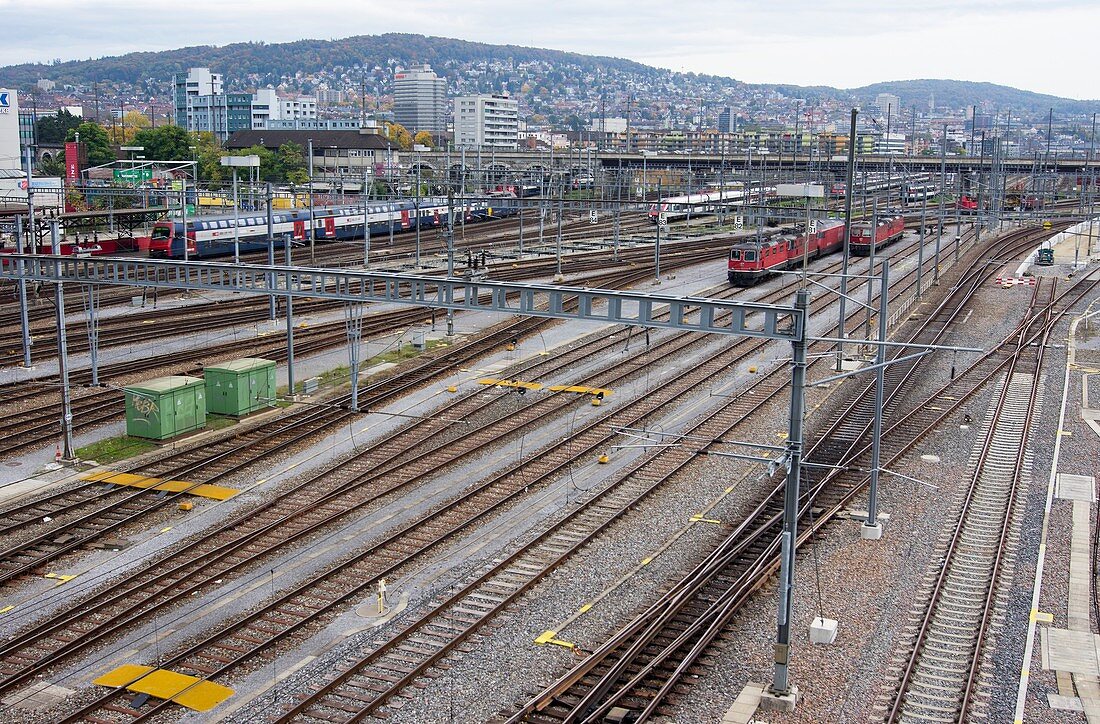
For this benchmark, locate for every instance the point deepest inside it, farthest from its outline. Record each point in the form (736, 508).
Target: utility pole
(943, 191)
(450, 257)
(312, 233)
(848, 189)
(63, 373)
(781, 685)
(269, 203)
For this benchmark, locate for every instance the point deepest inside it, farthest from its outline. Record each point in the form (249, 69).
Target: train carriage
(210, 236)
(888, 230)
(751, 261)
(675, 208)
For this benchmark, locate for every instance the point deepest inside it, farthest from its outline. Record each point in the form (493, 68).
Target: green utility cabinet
(165, 407)
(240, 387)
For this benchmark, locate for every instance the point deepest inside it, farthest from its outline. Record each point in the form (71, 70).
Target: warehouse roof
(321, 139)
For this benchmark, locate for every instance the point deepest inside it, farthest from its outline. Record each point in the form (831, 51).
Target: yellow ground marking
(204, 490)
(60, 577)
(5, 609)
(1042, 617)
(647, 561)
(509, 383)
(580, 389)
(1065, 433)
(547, 637)
(701, 519)
(189, 691)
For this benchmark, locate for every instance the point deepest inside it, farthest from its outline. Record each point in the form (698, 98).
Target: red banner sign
(72, 162)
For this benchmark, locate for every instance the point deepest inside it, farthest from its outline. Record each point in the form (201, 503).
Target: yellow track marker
(60, 577)
(5, 609)
(204, 490)
(189, 691)
(519, 384)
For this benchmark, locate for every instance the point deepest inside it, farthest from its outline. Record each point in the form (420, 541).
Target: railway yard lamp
(235, 162)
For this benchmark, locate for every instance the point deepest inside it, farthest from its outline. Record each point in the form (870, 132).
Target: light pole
(236, 162)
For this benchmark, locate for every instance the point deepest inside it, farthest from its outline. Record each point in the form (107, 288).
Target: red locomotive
(967, 204)
(888, 231)
(751, 261)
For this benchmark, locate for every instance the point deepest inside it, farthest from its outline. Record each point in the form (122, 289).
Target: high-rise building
(888, 103)
(420, 99)
(488, 121)
(727, 120)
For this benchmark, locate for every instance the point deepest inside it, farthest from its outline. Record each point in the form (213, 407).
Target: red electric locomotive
(889, 230)
(751, 261)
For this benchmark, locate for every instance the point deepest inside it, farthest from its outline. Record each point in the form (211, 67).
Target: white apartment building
(487, 121)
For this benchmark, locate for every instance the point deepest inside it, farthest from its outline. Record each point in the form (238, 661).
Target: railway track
(410, 470)
(195, 588)
(20, 428)
(643, 663)
(221, 313)
(939, 677)
(288, 604)
(73, 526)
(77, 526)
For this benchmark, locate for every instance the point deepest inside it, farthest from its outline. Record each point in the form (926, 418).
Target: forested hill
(274, 63)
(564, 87)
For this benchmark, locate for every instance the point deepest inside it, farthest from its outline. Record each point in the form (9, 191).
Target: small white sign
(593, 216)
(662, 220)
(813, 226)
(739, 222)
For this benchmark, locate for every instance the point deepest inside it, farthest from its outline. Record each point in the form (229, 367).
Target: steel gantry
(356, 287)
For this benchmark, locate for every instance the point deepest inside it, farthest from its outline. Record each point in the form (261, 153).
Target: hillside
(959, 93)
(566, 88)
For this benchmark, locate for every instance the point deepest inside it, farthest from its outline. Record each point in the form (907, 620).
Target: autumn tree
(122, 133)
(423, 138)
(400, 135)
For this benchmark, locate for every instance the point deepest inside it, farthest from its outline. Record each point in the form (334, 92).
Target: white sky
(1039, 45)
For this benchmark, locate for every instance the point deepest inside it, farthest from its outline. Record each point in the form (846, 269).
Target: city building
(890, 143)
(221, 115)
(314, 124)
(486, 121)
(26, 129)
(608, 125)
(420, 99)
(226, 113)
(195, 82)
(9, 129)
(326, 96)
(727, 120)
(888, 103)
(337, 155)
(293, 109)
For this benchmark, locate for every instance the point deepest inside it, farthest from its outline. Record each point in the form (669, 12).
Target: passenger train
(674, 208)
(209, 236)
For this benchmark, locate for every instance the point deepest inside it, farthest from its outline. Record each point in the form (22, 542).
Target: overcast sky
(1039, 45)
